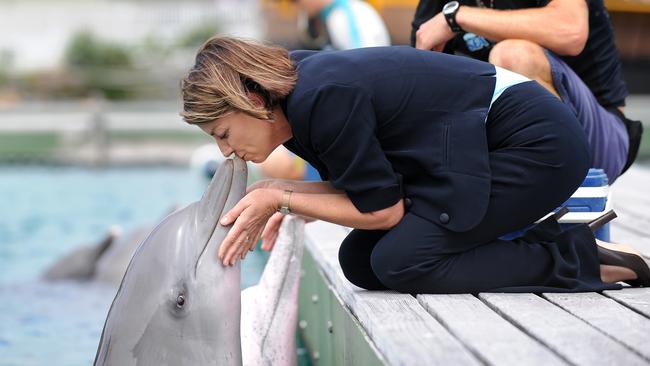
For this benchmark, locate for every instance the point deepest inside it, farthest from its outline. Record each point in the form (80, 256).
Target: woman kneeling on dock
(430, 157)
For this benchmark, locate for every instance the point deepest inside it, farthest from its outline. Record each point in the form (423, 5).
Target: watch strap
(285, 206)
(451, 21)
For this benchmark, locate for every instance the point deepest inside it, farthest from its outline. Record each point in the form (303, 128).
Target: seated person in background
(565, 45)
(349, 24)
(286, 165)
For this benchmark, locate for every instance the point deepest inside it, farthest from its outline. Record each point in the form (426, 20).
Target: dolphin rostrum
(177, 304)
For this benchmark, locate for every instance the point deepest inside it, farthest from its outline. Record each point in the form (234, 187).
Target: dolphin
(80, 264)
(177, 304)
(270, 308)
(111, 265)
(105, 261)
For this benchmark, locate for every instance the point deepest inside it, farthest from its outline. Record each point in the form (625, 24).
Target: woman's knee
(407, 275)
(523, 57)
(348, 259)
(354, 258)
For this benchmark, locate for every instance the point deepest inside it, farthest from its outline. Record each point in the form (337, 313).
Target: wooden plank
(331, 334)
(314, 313)
(632, 212)
(622, 234)
(633, 216)
(323, 241)
(400, 328)
(352, 346)
(624, 192)
(631, 200)
(617, 321)
(493, 339)
(634, 298)
(632, 187)
(405, 333)
(565, 334)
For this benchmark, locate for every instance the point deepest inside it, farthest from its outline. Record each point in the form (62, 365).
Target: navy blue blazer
(394, 122)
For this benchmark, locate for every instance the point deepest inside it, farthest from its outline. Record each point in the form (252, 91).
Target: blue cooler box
(588, 202)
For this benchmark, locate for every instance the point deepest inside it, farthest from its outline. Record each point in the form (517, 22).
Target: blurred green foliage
(95, 67)
(4, 77)
(159, 136)
(86, 50)
(196, 36)
(49, 147)
(94, 61)
(25, 146)
(5, 63)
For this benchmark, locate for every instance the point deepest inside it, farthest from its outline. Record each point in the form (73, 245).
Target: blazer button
(407, 202)
(444, 218)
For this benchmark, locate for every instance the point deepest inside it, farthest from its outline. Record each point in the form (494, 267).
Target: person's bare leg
(281, 164)
(613, 274)
(525, 58)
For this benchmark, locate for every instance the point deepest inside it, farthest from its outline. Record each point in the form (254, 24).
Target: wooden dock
(344, 325)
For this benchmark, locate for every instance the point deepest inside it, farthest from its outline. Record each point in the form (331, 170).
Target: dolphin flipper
(270, 309)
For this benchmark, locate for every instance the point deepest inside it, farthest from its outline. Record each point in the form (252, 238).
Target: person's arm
(365, 191)
(319, 200)
(337, 208)
(254, 210)
(561, 26)
(424, 11)
(295, 186)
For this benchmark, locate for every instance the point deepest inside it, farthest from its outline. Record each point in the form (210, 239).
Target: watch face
(450, 7)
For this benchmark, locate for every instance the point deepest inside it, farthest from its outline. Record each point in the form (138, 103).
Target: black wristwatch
(450, 10)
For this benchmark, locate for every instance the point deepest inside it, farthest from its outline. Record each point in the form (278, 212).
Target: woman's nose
(225, 149)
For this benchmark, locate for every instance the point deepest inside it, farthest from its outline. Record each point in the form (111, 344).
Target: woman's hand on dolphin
(249, 217)
(271, 230)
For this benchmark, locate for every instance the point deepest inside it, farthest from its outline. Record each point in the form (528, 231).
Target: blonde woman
(429, 157)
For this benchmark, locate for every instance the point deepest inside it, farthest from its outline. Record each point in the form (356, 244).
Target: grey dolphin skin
(80, 264)
(177, 304)
(104, 262)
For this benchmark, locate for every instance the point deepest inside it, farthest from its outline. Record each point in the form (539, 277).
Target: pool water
(44, 213)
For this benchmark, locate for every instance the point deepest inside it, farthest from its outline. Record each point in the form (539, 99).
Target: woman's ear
(259, 102)
(256, 99)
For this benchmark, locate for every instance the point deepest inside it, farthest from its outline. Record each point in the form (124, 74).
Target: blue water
(45, 213)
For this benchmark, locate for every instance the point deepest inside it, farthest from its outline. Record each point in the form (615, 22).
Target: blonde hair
(226, 70)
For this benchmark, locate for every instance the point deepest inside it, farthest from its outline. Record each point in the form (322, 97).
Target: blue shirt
(504, 80)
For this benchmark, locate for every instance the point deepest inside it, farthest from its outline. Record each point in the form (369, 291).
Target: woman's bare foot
(613, 274)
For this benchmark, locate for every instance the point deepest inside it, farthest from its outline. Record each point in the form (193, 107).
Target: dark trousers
(538, 158)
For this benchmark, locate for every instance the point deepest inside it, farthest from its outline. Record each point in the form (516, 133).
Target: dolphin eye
(180, 301)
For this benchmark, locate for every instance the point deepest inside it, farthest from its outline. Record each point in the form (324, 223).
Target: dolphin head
(177, 304)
